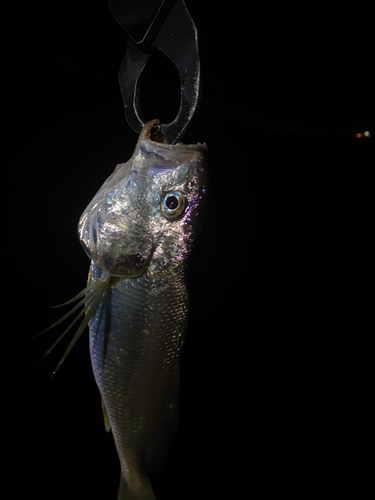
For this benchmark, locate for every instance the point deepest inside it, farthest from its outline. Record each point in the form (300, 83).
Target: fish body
(138, 232)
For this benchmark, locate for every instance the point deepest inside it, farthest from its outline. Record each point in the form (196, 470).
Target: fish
(138, 232)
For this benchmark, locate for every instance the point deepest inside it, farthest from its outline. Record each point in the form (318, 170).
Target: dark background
(275, 390)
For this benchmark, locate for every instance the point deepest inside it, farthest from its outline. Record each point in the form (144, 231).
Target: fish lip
(200, 147)
(146, 135)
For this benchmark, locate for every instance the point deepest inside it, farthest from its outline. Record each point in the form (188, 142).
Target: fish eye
(173, 205)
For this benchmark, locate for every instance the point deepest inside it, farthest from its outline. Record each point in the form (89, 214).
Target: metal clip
(170, 29)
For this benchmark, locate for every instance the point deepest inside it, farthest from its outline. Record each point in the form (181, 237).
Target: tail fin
(126, 493)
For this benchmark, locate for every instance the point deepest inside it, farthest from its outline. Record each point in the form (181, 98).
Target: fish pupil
(171, 202)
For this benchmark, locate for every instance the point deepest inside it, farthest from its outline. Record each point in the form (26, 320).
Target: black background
(275, 371)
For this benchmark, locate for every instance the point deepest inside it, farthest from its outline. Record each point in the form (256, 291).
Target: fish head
(145, 214)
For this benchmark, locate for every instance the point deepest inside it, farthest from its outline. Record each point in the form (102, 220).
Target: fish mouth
(131, 266)
(153, 131)
(199, 146)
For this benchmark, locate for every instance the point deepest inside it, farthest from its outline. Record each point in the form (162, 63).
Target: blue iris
(173, 205)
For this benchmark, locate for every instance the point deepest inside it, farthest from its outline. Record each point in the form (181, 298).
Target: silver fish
(138, 232)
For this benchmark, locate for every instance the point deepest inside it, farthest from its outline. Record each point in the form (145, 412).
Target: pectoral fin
(107, 425)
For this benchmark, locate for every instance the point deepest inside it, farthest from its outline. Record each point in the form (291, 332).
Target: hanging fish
(138, 232)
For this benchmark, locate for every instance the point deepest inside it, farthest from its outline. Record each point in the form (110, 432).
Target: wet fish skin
(136, 334)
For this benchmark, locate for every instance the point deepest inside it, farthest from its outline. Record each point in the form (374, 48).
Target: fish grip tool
(165, 25)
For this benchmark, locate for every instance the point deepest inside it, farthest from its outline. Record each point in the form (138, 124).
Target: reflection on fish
(138, 231)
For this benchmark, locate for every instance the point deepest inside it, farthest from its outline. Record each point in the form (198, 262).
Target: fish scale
(138, 232)
(139, 367)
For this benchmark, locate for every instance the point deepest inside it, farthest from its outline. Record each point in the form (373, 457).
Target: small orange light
(358, 135)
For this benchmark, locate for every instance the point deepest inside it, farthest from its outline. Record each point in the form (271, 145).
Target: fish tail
(127, 493)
